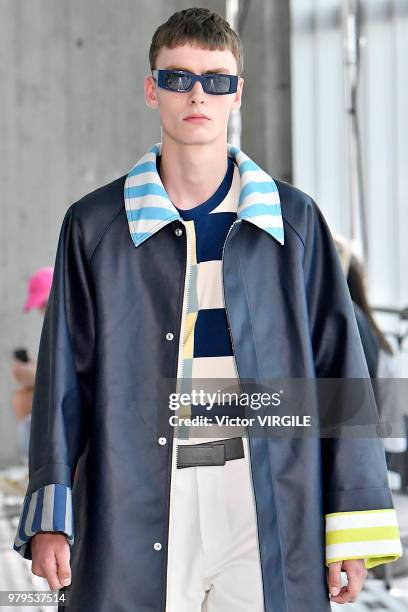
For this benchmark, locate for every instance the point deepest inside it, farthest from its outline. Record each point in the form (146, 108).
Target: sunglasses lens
(218, 84)
(177, 81)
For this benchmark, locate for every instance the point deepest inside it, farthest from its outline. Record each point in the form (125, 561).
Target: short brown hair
(201, 26)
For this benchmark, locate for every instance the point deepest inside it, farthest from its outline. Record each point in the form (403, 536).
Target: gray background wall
(73, 117)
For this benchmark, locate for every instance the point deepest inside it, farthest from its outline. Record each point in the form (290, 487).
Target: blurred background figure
(24, 367)
(23, 370)
(14, 478)
(381, 358)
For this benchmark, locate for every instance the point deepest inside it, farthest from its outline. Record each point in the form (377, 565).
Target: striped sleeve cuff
(372, 535)
(49, 508)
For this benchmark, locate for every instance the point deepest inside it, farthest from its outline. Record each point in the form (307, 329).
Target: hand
(24, 373)
(356, 574)
(51, 554)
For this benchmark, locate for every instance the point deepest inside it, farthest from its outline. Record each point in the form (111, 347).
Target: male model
(196, 264)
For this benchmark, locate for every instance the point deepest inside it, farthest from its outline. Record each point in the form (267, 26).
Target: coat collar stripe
(149, 208)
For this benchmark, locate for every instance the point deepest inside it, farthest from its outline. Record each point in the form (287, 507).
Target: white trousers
(213, 556)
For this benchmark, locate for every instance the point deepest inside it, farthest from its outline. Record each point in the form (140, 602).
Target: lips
(196, 117)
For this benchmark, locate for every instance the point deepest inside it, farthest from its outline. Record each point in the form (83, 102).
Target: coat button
(169, 336)
(162, 441)
(157, 546)
(178, 231)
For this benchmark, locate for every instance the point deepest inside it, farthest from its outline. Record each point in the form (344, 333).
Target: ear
(150, 92)
(238, 95)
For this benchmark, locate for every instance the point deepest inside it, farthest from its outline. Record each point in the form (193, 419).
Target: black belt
(209, 453)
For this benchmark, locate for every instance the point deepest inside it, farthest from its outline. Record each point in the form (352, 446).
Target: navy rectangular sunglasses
(182, 81)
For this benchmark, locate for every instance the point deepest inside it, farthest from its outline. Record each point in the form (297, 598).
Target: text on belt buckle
(194, 455)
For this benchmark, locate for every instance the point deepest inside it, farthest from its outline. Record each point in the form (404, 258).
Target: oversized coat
(105, 346)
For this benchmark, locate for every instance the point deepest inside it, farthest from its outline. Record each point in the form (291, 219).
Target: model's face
(174, 107)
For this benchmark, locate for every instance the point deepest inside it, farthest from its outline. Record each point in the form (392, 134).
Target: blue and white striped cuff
(46, 509)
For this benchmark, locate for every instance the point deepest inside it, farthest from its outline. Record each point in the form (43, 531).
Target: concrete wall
(266, 107)
(73, 117)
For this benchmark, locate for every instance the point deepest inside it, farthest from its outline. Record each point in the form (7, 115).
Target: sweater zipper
(179, 375)
(247, 428)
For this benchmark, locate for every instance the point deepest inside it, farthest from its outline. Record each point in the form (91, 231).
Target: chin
(191, 139)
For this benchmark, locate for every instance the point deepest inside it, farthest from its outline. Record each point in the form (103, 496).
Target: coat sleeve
(62, 393)
(360, 519)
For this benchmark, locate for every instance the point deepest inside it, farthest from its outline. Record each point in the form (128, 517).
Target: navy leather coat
(103, 350)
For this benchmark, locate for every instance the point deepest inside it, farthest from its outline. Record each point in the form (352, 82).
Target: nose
(197, 92)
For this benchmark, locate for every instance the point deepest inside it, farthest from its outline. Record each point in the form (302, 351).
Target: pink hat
(39, 286)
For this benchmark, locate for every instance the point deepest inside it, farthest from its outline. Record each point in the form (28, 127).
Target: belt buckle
(196, 455)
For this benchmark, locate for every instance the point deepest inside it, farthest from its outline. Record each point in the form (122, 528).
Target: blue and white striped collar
(149, 208)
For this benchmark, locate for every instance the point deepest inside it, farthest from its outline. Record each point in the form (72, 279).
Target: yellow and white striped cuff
(372, 535)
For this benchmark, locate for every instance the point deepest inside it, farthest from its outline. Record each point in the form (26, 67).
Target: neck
(191, 173)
